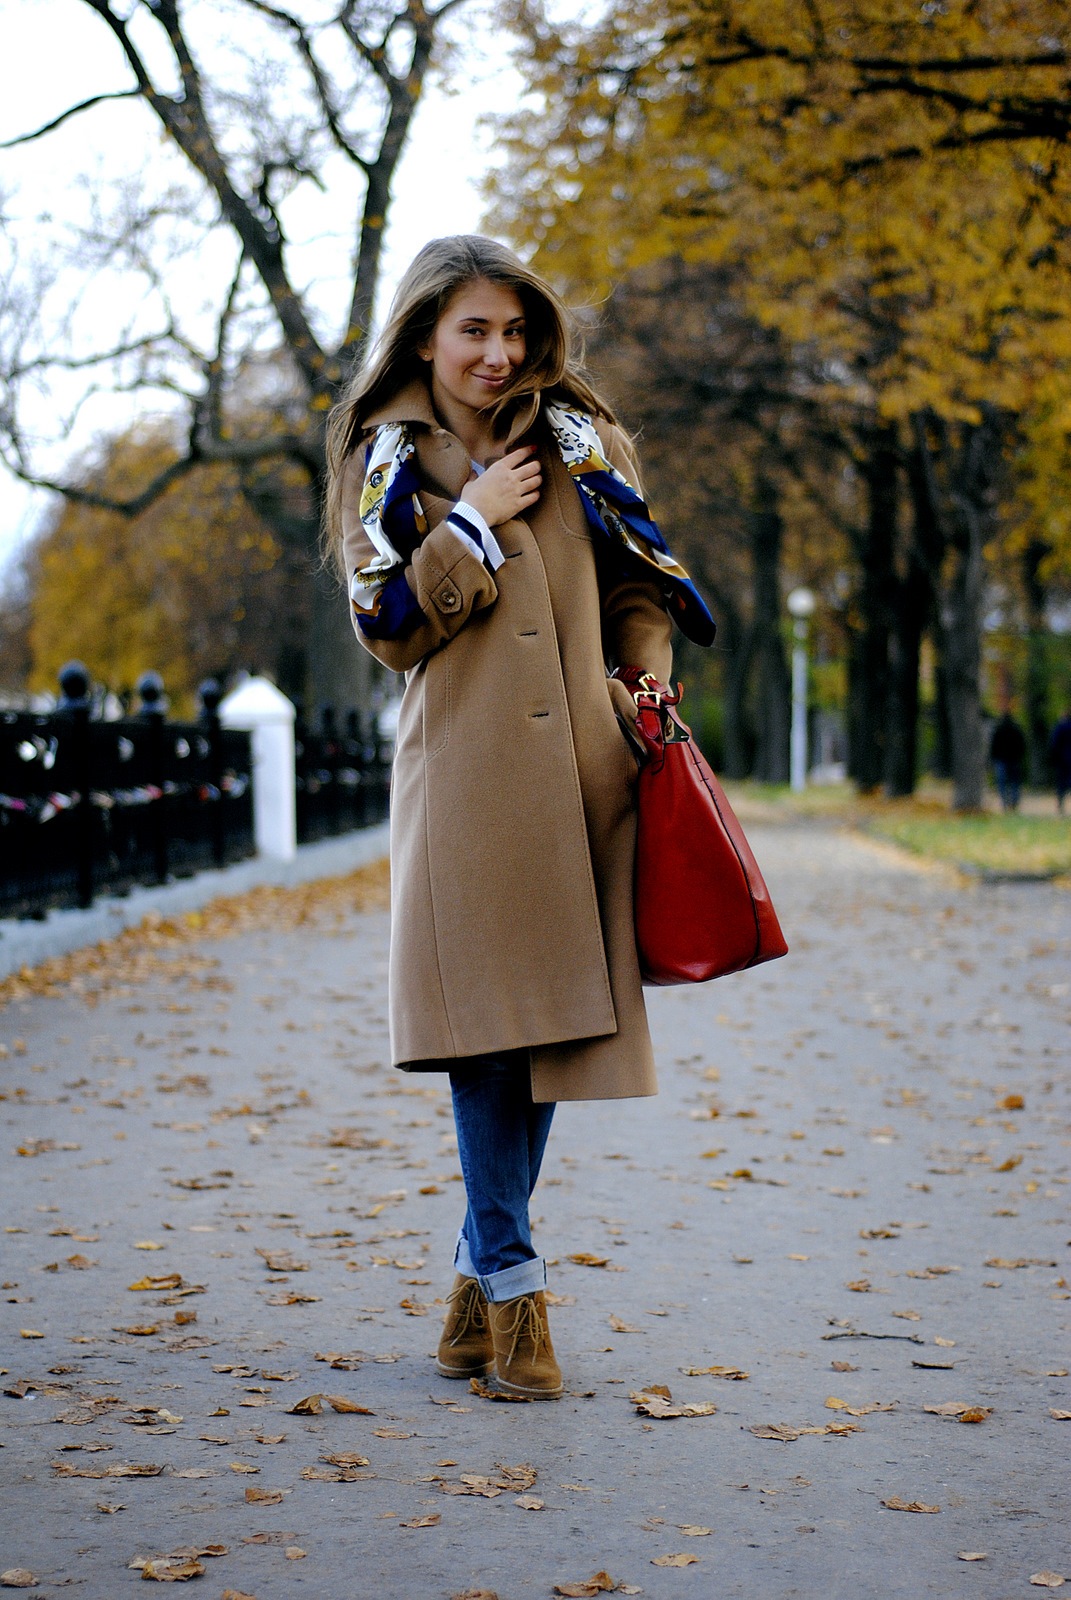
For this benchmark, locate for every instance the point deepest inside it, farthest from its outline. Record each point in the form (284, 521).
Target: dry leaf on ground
(658, 1402)
(894, 1503)
(961, 1410)
(294, 1552)
(1059, 1416)
(530, 1502)
(163, 1280)
(17, 1578)
(265, 1497)
(694, 1531)
(485, 1392)
(170, 1569)
(833, 1404)
(623, 1327)
(971, 1555)
(674, 1561)
(584, 1258)
(598, 1583)
(786, 1432)
(236, 1594)
(431, 1521)
(735, 1373)
(1048, 1580)
(475, 1594)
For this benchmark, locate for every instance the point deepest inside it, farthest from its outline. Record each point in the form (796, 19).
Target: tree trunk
(971, 472)
(1037, 684)
(772, 685)
(735, 642)
(869, 661)
(900, 756)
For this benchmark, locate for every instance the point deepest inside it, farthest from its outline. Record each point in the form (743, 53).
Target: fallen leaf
(971, 1555)
(844, 1366)
(169, 1569)
(859, 1286)
(894, 1503)
(345, 1458)
(584, 1258)
(17, 1578)
(147, 1244)
(734, 1373)
(960, 1409)
(338, 1402)
(674, 1561)
(391, 1433)
(945, 1344)
(1048, 1580)
(291, 1299)
(265, 1497)
(236, 1594)
(530, 1502)
(623, 1327)
(1011, 1102)
(423, 1522)
(598, 1583)
(786, 1432)
(294, 1552)
(649, 1404)
(486, 1392)
(833, 1404)
(1060, 1416)
(242, 1466)
(30, 1333)
(1019, 1261)
(310, 1406)
(164, 1280)
(694, 1531)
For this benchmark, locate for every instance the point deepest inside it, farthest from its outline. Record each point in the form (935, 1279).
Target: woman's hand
(508, 487)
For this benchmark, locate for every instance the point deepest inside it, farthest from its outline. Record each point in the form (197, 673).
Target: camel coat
(513, 822)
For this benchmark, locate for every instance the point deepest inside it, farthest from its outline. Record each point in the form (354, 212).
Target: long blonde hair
(437, 272)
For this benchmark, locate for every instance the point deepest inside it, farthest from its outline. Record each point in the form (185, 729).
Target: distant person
(1007, 751)
(1060, 756)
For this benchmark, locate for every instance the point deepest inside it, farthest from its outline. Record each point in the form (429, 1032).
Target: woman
(485, 510)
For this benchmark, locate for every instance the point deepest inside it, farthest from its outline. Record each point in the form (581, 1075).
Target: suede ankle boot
(524, 1355)
(465, 1349)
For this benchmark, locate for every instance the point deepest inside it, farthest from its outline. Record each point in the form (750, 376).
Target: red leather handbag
(702, 909)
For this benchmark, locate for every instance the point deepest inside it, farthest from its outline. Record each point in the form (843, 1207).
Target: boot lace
(469, 1309)
(528, 1324)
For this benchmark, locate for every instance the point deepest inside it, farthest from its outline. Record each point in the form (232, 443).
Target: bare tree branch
(323, 88)
(72, 111)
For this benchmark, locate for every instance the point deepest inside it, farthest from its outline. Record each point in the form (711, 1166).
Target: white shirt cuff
(473, 531)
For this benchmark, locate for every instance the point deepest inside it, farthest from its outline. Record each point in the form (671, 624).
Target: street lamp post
(801, 604)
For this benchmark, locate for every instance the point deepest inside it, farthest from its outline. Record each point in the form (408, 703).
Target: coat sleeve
(636, 626)
(434, 594)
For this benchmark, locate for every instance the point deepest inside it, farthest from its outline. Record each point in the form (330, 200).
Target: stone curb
(28, 943)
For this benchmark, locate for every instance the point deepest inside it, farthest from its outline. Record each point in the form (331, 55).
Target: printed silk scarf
(385, 606)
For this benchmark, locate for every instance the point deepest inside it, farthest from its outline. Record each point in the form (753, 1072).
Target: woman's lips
(490, 378)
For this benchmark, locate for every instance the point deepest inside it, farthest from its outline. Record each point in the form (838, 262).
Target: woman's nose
(495, 353)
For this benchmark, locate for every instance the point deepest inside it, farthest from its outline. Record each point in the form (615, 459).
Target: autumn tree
(898, 203)
(193, 586)
(249, 112)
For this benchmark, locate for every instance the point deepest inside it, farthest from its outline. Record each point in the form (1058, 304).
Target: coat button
(448, 599)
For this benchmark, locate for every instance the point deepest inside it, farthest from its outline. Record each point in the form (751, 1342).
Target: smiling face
(477, 345)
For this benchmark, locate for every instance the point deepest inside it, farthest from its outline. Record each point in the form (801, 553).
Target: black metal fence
(342, 776)
(90, 806)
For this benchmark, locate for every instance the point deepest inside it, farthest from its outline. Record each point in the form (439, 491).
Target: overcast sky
(57, 52)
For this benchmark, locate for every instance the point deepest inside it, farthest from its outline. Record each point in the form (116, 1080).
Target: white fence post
(259, 708)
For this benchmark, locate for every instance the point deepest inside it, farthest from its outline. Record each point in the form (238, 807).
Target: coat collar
(413, 404)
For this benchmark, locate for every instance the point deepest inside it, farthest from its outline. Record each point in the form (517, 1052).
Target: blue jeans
(501, 1136)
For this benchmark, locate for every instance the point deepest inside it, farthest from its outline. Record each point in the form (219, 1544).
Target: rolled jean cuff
(463, 1260)
(527, 1277)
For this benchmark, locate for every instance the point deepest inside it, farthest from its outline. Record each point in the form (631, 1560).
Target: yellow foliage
(191, 587)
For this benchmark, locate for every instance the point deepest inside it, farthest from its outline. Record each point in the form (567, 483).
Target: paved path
(834, 1154)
